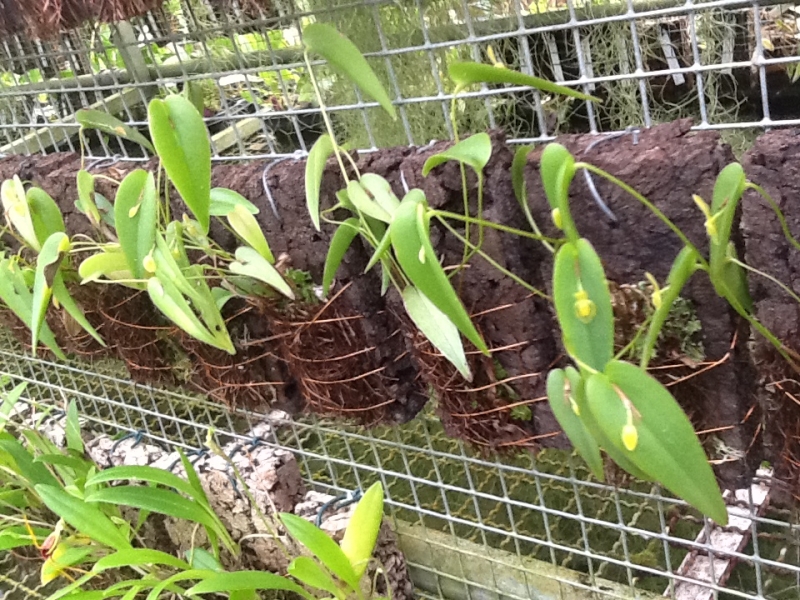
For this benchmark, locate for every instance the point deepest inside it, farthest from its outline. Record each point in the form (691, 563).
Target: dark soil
(773, 162)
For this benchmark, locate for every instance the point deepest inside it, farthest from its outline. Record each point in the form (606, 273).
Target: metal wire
(255, 56)
(516, 514)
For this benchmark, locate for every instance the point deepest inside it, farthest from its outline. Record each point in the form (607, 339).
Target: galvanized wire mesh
(517, 524)
(479, 526)
(727, 63)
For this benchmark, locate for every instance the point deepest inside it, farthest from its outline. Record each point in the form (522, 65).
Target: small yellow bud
(656, 297)
(585, 309)
(556, 216)
(149, 263)
(132, 212)
(630, 437)
(421, 255)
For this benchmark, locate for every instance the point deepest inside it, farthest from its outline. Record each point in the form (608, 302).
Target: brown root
(336, 373)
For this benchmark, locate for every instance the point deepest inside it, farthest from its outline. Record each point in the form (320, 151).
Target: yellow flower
(630, 437)
(585, 309)
(711, 220)
(149, 263)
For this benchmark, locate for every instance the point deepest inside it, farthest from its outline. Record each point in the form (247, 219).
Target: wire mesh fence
(480, 527)
(474, 526)
(729, 64)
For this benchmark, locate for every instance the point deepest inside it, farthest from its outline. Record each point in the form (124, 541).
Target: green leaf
(142, 473)
(683, 267)
(139, 557)
(102, 121)
(321, 546)
(223, 201)
(364, 204)
(440, 331)
(667, 448)
(252, 264)
(136, 216)
(72, 428)
(157, 500)
(475, 151)
(10, 400)
(380, 252)
(17, 211)
(564, 390)
(381, 192)
(518, 174)
(361, 534)
(110, 263)
(245, 580)
(341, 241)
(315, 168)
(17, 296)
(410, 234)
(166, 297)
(308, 571)
(86, 202)
(181, 140)
(84, 517)
(465, 74)
(199, 558)
(28, 469)
(729, 279)
(48, 264)
(193, 479)
(246, 226)
(343, 55)
(19, 537)
(583, 305)
(45, 214)
(557, 168)
(67, 302)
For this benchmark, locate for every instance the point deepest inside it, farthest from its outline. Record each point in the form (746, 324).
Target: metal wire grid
(247, 56)
(616, 542)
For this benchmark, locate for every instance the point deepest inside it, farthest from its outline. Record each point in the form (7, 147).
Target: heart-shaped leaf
(136, 217)
(343, 56)
(437, 327)
(642, 419)
(583, 305)
(341, 241)
(181, 140)
(102, 121)
(475, 151)
(465, 74)
(564, 393)
(410, 234)
(252, 264)
(315, 169)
